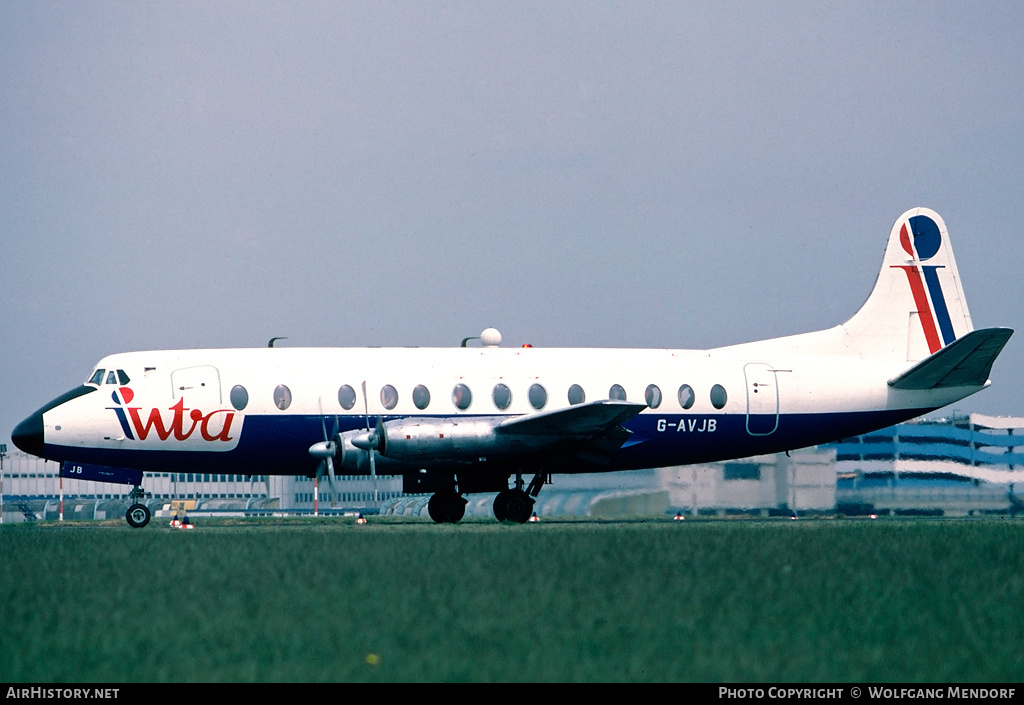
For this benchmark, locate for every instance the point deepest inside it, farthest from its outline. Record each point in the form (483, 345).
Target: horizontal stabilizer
(966, 362)
(579, 421)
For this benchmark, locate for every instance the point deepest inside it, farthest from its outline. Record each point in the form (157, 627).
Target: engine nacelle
(350, 459)
(439, 440)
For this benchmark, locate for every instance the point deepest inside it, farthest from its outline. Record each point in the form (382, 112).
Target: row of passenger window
(501, 395)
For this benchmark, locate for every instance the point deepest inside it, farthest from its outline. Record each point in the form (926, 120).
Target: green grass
(304, 600)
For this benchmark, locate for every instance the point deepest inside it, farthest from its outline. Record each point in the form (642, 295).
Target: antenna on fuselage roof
(490, 338)
(280, 337)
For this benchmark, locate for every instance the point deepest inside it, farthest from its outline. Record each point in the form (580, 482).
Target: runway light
(175, 522)
(679, 517)
(360, 520)
(872, 516)
(534, 517)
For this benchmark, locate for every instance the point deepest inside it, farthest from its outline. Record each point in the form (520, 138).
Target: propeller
(327, 451)
(371, 441)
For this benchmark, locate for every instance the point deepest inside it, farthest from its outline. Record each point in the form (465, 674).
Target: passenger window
(576, 394)
(462, 397)
(239, 397)
(686, 396)
(538, 397)
(346, 397)
(388, 397)
(718, 396)
(97, 377)
(617, 392)
(653, 396)
(282, 397)
(421, 396)
(502, 396)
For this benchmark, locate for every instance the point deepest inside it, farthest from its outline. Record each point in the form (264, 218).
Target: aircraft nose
(28, 435)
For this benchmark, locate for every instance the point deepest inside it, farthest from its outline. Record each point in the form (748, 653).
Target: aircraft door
(199, 386)
(762, 399)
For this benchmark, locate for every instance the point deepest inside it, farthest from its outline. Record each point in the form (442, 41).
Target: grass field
(324, 600)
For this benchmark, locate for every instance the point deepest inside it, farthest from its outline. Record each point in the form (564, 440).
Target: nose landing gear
(138, 515)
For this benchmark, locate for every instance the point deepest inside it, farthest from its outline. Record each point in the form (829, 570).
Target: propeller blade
(330, 481)
(374, 441)
(373, 474)
(382, 435)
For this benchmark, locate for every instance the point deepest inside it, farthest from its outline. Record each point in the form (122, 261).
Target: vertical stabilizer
(917, 306)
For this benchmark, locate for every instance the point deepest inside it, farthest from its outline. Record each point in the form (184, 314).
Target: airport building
(954, 465)
(799, 482)
(32, 488)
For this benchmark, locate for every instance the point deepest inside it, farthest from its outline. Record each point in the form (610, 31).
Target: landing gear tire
(446, 507)
(499, 505)
(138, 516)
(513, 505)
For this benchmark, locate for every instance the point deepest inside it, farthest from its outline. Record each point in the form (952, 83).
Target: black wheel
(138, 516)
(446, 507)
(518, 506)
(500, 512)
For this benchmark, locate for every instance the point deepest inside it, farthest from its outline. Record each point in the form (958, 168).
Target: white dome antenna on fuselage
(489, 338)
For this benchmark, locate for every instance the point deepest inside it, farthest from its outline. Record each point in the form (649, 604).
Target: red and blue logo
(921, 240)
(214, 426)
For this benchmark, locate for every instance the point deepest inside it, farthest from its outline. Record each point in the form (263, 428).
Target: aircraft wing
(580, 421)
(588, 433)
(966, 362)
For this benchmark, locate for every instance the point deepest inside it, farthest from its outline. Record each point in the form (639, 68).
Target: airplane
(468, 419)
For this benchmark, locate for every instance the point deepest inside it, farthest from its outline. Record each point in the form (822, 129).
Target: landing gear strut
(138, 515)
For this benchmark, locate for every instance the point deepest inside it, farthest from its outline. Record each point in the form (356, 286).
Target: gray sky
(208, 174)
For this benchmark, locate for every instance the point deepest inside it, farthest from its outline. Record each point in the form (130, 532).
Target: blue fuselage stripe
(279, 445)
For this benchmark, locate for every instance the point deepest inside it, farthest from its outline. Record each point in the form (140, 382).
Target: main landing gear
(446, 507)
(138, 515)
(515, 504)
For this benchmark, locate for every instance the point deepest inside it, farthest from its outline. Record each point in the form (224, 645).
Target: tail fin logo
(921, 239)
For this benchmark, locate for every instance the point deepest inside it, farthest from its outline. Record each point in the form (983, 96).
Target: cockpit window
(112, 376)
